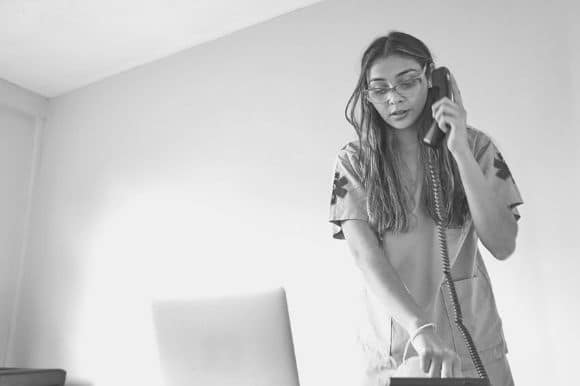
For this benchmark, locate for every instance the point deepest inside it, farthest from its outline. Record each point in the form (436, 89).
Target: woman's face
(402, 107)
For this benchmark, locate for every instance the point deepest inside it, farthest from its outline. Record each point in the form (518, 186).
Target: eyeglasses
(404, 88)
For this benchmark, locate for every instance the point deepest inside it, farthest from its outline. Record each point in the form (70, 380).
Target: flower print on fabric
(497, 172)
(338, 189)
(348, 200)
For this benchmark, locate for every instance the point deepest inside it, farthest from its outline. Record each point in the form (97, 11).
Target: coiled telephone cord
(457, 316)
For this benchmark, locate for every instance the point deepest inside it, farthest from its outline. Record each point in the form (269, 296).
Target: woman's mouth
(398, 115)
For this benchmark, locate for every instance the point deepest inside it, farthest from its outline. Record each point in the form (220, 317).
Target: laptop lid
(226, 341)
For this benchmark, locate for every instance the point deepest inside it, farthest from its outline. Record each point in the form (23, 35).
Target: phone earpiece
(439, 80)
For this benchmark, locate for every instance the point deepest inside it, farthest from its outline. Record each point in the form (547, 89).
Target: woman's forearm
(384, 281)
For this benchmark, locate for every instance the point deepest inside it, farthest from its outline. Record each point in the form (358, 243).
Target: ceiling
(53, 47)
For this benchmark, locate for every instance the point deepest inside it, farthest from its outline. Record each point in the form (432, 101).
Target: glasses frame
(395, 88)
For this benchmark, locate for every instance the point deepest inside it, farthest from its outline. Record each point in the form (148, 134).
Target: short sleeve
(498, 174)
(348, 198)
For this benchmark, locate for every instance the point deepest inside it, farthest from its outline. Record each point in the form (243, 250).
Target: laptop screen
(239, 340)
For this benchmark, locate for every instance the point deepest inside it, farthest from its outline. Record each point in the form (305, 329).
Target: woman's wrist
(422, 329)
(415, 323)
(415, 333)
(461, 153)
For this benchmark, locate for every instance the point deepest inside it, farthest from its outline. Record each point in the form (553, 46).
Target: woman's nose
(393, 97)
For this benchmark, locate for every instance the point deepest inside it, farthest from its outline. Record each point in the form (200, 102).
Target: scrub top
(416, 257)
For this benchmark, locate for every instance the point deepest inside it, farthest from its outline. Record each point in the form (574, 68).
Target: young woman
(383, 205)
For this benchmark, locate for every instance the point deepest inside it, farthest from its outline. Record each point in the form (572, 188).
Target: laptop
(241, 340)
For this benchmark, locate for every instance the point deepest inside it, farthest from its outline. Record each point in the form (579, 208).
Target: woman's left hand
(453, 114)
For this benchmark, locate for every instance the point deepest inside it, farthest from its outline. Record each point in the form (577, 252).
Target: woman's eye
(379, 91)
(407, 84)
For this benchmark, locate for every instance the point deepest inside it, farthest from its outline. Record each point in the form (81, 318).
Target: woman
(382, 204)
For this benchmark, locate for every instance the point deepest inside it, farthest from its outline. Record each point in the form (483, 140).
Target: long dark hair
(387, 205)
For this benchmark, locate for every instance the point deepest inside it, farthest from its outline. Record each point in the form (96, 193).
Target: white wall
(21, 117)
(210, 171)
(16, 133)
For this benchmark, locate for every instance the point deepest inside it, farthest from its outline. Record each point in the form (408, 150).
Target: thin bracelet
(414, 335)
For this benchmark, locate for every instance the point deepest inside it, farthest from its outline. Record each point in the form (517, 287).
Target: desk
(31, 377)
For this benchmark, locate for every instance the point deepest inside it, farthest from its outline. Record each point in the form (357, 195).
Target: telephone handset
(441, 80)
(440, 87)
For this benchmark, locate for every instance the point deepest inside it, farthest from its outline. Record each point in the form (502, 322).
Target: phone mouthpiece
(434, 135)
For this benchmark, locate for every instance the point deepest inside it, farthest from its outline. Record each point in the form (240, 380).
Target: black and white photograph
(289, 192)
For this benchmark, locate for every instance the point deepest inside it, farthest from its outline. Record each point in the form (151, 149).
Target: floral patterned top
(416, 257)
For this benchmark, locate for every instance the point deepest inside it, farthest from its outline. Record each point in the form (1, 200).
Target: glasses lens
(377, 94)
(408, 85)
(404, 88)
